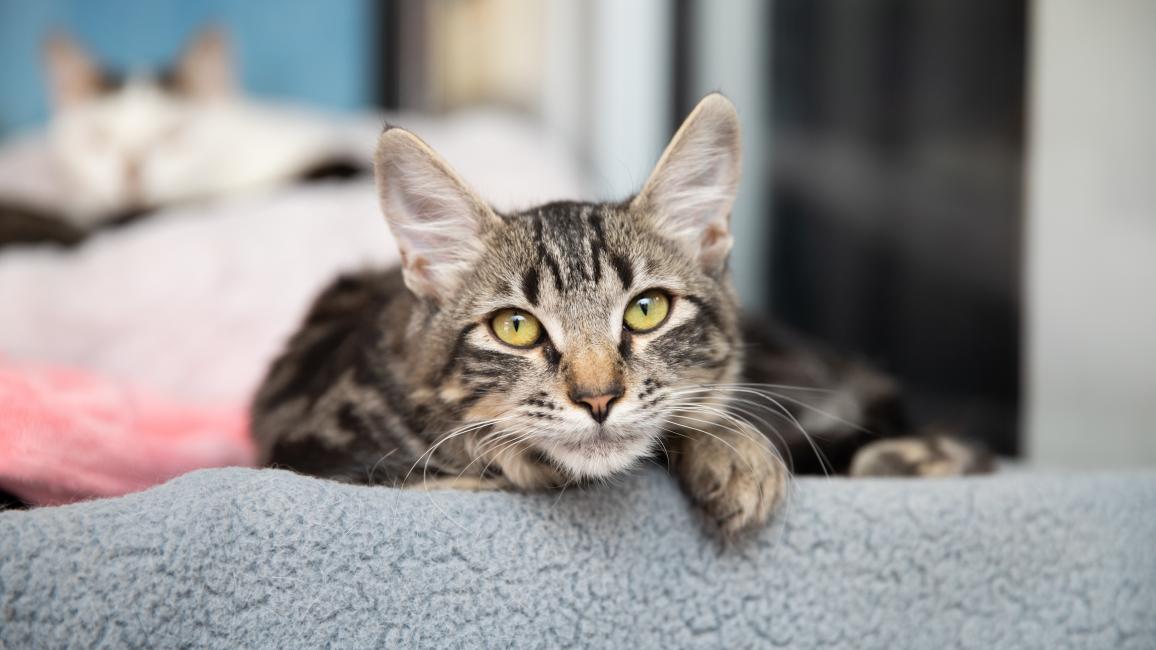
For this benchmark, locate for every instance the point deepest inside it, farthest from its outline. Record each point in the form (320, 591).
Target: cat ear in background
(205, 69)
(437, 221)
(73, 77)
(689, 194)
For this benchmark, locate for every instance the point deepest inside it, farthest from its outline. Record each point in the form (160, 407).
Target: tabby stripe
(382, 381)
(597, 245)
(530, 285)
(310, 369)
(553, 357)
(623, 269)
(492, 356)
(706, 309)
(688, 342)
(455, 353)
(544, 255)
(596, 260)
(484, 373)
(350, 419)
(458, 408)
(626, 345)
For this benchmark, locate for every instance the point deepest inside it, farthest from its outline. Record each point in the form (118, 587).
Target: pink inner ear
(418, 276)
(713, 235)
(418, 265)
(714, 245)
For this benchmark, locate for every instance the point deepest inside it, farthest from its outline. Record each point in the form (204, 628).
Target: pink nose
(598, 405)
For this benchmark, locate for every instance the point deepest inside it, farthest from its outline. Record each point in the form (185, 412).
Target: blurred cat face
(129, 144)
(128, 148)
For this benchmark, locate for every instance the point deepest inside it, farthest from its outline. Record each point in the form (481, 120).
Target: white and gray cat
(125, 143)
(570, 342)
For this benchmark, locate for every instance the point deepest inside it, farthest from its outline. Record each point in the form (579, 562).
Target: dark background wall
(897, 194)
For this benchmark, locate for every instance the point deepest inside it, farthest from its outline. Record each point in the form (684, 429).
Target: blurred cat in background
(127, 142)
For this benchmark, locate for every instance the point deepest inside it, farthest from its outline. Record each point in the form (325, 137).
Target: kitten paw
(924, 456)
(737, 480)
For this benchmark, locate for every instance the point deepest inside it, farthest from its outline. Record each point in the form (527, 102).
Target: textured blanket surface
(236, 558)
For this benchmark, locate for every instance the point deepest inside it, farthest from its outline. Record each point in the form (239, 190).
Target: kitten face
(576, 268)
(590, 394)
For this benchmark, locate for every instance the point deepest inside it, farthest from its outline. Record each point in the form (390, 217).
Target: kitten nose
(598, 403)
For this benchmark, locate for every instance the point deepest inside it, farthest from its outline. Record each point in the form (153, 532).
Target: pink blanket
(66, 435)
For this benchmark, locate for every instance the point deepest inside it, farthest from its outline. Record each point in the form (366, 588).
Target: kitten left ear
(689, 195)
(205, 69)
(437, 221)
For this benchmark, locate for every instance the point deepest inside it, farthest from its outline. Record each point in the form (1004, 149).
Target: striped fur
(396, 378)
(377, 370)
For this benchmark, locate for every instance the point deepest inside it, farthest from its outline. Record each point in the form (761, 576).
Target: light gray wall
(731, 39)
(607, 87)
(1091, 235)
(630, 91)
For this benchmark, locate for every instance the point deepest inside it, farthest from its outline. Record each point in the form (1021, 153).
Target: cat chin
(601, 458)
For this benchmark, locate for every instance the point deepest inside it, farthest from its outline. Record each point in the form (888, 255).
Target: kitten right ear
(689, 194)
(437, 221)
(73, 76)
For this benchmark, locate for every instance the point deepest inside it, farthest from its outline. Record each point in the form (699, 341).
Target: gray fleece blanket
(238, 558)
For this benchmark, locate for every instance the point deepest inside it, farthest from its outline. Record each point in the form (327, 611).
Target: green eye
(517, 328)
(647, 311)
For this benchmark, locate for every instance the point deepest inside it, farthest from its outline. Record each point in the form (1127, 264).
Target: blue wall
(313, 51)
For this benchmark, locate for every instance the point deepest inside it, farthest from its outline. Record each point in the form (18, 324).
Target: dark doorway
(897, 185)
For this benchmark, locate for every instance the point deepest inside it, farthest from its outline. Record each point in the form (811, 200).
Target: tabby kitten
(568, 343)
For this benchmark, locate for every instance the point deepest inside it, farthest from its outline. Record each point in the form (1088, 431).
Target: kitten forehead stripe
(544, 255)
(530, 285)
(597, 243)
(624, 270)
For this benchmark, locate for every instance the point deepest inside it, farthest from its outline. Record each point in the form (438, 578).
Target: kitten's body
(402, 377)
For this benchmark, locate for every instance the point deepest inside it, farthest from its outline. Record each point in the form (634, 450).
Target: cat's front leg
(730, 470)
